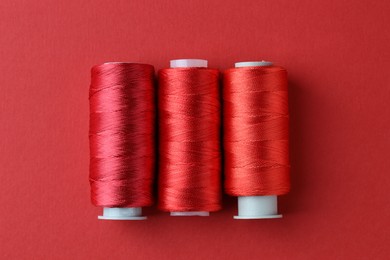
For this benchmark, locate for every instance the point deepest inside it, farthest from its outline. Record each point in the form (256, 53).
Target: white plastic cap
(257, 207)
(189, 63)
(252, 64)
(122, 214)
(190, 213)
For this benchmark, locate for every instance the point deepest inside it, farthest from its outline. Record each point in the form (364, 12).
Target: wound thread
(189, 134)
(121, 134)
(256, 131)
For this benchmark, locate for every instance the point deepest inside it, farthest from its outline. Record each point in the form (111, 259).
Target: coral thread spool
(189, 63)
(122, 139)
(178, 200)
(260, 206)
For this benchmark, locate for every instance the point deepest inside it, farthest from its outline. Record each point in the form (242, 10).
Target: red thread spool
(189, 152)
(122, 114)
(256, 137)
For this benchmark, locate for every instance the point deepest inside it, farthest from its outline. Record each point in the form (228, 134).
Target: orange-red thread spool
(256, 137)
(189, 134)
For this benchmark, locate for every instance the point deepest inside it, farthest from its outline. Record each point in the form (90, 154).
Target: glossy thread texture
(256, 131)
(189, 132)
(122, 114)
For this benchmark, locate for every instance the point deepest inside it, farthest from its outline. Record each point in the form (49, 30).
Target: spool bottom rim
(259, 217)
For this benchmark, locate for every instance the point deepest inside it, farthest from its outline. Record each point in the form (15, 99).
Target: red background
(337, 55)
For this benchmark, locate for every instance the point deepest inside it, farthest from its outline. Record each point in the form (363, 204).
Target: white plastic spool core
(122, 214)
(189, 63)
(252, 64)
(257, 207)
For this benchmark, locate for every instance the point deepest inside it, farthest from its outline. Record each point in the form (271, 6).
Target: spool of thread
(122, 114)
(256, 137)
(189, 151)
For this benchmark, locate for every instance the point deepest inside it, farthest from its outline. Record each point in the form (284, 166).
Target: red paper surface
(338, 59)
